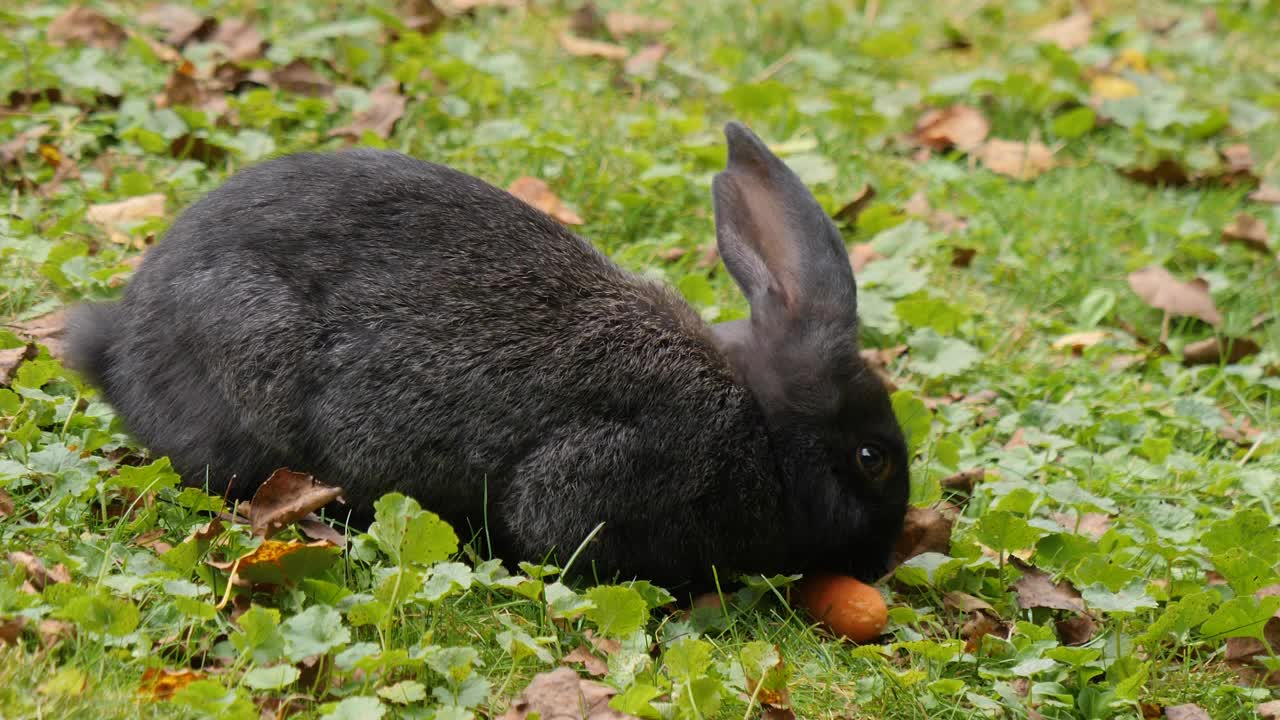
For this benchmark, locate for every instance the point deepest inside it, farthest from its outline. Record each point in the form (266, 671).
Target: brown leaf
(421, 16)
(179, 22)
(1079, 342)
(537, 193)
(17, 147)
(958, 126)
(962, 257)
(710, 256)
(11, 358)
(977, 625)
(966, 602)
(1095, 525)
(299, 77)
(862, 255)
(191, 147)
(285, 498)
(86, 26)
(46, 330)
(1217, 351)
(241, 39)
(1163, 291)
(918, 206)
(1266, 194)
(586, 20)
(126, 211)
(582, 47)
(1166, 172)
(861, 199)
(644, 63)
(1016, 440)
(1076, 630)
(6, 503)
(607, 646)
(622, 24)
(11, 629)
(1239, 159)
(672, 254)
(1019, 160)
(593, 665)
(455, 7)
(1269, 710)
(1036, 589)
(183, 88)
(1190, 711)
(386, 105)
(37, 574)
(162, 684)
(964, 480)
(923, 530)
(1069, 33)
(1248, 231)
(317, 529)
(561, 694)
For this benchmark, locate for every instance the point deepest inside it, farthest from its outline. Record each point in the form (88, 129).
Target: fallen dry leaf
(966, 602)
(299, 77)
(11, 629)
(11, 358)
(622, 24)
(862, 255)
(456, 7)
(958, 126)
(1162, 291)
(1111, 87)
(586, 20)
(386, 105)
(1239, 159)
(421, 16)
(1016, 440)
(86, 26)
(583, 655)
(317, 529)
(285, 498)
(1190, 711)
(1269, 710)
(183, 88)
(1165, 173)
(918, 206)
(924, 530)
(113, 216)
(672, 254)
(1217, 351)
(6, 503)
(1035, 589)
(962, 257)
(1019, 160)
(161, 684)
(241, 39)
(964, 480)
(1076, 630)
(1079, 342)
(37, 574)
(179, 22)
(852, 209)
(976, 626)
(17, 147)
(1095, 525)
(561, 694)
(46, 330)
(582, 47)
(537, 193)
(1069, 33)
(1266, 194)
(644, 63)
(1248, 231)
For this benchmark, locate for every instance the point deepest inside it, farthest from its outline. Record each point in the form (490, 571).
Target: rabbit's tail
(90, 329)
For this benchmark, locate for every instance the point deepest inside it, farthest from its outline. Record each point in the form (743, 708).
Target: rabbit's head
(842, 453)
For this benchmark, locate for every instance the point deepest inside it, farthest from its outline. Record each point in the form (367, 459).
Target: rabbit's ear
(788, 258)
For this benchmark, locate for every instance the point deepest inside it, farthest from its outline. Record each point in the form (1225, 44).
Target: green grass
(1123, 429)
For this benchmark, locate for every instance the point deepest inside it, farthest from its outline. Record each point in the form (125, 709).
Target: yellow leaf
(1131, 59)
(1110, 87)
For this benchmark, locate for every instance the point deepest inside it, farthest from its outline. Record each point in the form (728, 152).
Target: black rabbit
(388, 324)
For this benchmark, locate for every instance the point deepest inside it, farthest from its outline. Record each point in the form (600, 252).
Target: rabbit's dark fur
(388, 324)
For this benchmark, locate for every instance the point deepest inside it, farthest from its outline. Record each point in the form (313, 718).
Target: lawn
(1063, 221)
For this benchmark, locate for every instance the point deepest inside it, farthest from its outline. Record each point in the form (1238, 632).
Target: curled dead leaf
(1190, 711)
(285, 498)
(276, 562)
(1248, 231)
(965, 602)
(36, 573)
(1035, 589)
(1165, 173)
(862, 255)
(1069, 33)
(537, 193)
(962, 257)
(1218, 351)
(583, 655)
(6, 502)
(11, 629)
(241, 39)
(179, 23)
(586, 20)
(1095, 525)
(317, 529)
(644, 63)
(1162, 291)
(86, 26)
(672, 254)
(852, 209)
(978, 625)
(46, 330)
(1269, 710)
(162, 684)
(923, 530)
(10, 359)
(1019, 160)
(421, 16)
(1076, 630)
(126, 211)
(959, 126)
(582, 47)
(560, 693)
(1266, 194)
(1239, 159)
(622, 24)
(301, 78)
(1081, 341)
(386, 106)
(965, 480)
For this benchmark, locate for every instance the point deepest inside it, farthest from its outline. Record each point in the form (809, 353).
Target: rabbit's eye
(873, 460)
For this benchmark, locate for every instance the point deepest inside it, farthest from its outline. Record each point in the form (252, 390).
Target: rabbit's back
(390, 324)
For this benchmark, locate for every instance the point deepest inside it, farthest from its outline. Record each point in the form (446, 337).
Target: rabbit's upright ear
(790, 261)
